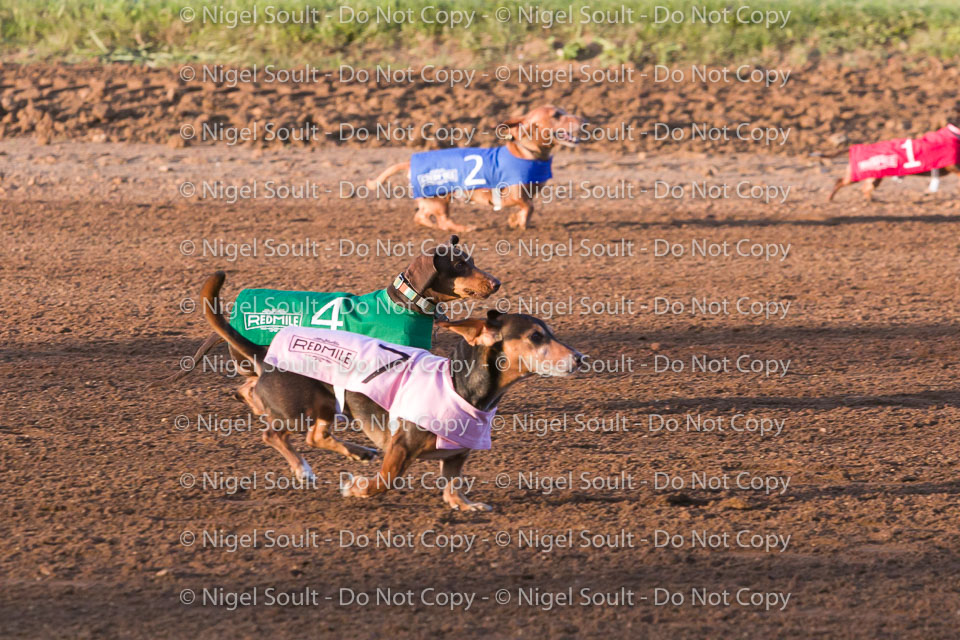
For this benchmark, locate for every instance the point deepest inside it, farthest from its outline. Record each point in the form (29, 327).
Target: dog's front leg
(396, 459)
(450, 469)
(519, 218)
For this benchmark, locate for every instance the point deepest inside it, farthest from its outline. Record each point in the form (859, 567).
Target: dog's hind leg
(246, 394)
(280, 440)
(319, 436)
(321, 413)
(841, 182)
(434, 213)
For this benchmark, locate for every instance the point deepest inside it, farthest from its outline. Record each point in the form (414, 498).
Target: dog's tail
(213, 312)
(212, 341)
(389, 171)
(829, 154)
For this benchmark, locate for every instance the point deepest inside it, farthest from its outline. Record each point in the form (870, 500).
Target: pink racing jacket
(905, 156)
(408, 383)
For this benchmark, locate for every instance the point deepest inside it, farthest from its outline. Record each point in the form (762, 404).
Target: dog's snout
(494, 284)
(578, 358)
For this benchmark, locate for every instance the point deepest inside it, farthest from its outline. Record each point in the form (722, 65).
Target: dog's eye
(536, 337)
(460, 266)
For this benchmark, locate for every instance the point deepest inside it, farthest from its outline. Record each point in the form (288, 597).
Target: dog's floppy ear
(476, 331)
(422, 271)
(510, 124)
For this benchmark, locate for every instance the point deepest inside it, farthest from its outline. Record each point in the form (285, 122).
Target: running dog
(409, 402)
(935, 153)
(507, 176)
(403, 312)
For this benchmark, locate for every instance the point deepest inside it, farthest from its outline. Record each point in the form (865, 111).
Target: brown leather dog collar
(407, 291)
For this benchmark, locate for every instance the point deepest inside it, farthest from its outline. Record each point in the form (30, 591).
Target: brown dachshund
(475, 175)
(496, 352)
(932, 153)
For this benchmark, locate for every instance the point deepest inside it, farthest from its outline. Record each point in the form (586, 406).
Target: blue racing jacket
(438, 173)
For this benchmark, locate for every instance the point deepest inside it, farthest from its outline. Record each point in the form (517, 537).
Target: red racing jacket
(905, 156)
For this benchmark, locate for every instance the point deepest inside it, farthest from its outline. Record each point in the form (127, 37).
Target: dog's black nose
(496, 286)
(578, 358)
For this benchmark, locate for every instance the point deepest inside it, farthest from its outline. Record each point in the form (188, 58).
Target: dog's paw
(424, 221)
(517, 220)
(458, 228)
(459, 503)
(346, 485)
(477, 506)
(472, 506)
(305, 473)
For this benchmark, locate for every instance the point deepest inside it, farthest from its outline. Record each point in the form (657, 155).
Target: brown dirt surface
(826, 105)
(92, 464)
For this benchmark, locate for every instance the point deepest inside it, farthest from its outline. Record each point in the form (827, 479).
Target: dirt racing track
(765, 445)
